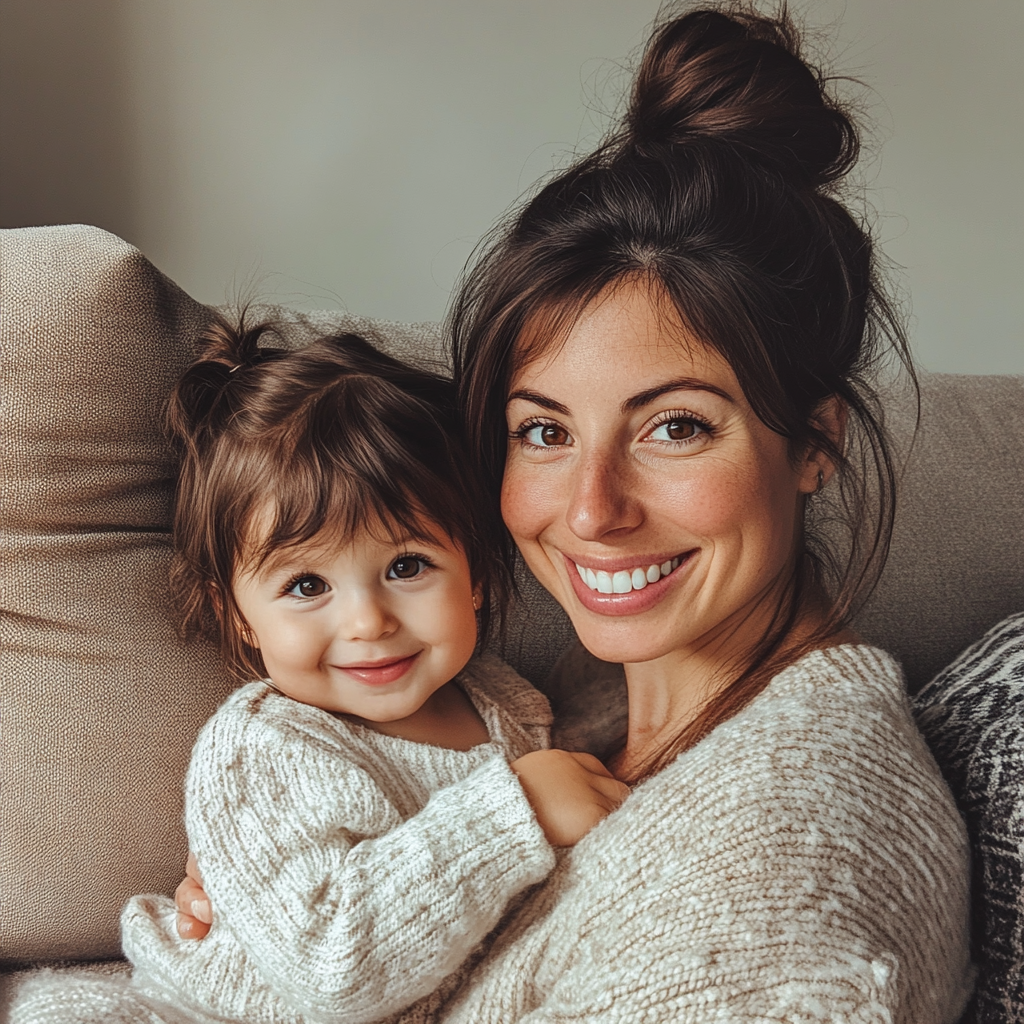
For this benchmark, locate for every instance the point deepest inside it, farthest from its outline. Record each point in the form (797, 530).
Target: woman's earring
(821, 481)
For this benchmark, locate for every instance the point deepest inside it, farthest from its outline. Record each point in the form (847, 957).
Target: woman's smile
(626, 591)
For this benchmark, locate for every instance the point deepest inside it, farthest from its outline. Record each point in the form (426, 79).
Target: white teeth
(622, 582)
(625, 580)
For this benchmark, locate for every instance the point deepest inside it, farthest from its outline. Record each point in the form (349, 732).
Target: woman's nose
(604, 498)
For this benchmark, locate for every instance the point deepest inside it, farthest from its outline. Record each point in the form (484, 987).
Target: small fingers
(192, 868)
(190, 928)
(612, 790)
(192, 901)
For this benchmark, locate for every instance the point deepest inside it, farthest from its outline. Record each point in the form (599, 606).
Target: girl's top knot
(739, 83)
(201, 403)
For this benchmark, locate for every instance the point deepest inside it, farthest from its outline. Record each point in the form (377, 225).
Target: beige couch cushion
(98, 701)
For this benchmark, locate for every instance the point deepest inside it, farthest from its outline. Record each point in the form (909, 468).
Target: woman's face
(643, 491)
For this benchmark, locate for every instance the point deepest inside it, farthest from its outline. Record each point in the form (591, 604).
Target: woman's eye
(308, 586)
(546, 435)
(406, 568)
(677, 429)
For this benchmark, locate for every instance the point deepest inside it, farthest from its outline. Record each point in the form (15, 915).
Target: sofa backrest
(99, 700)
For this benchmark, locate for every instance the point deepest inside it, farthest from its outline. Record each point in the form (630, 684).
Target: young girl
(364, 814)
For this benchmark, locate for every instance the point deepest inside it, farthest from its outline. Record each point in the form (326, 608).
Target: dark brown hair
(341, 438)
(721, 189)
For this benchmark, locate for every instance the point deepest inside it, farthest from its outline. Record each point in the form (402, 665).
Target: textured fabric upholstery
(956, 566)
(98, 701)
(972, 715)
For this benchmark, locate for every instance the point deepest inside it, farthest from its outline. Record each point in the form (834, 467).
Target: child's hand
(194, 911)
(569, 793)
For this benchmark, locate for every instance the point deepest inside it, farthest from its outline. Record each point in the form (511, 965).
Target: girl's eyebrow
(637, 401)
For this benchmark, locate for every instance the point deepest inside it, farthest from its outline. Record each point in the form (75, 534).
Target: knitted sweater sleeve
(346, 911)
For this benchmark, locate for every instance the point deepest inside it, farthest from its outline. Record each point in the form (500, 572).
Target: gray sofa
(100, 701)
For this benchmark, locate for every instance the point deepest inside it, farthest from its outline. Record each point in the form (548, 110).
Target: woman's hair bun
(739, 78)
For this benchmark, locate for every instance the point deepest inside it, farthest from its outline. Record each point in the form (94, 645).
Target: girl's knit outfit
(803, 863)
(349, 871)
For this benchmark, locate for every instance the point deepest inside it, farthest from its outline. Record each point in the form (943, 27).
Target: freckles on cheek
(707, 508)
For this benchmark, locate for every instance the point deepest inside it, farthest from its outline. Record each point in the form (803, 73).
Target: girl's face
(643, 491)
(370, 628)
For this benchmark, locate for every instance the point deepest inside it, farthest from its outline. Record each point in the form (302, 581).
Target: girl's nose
(603, 499)
(363, 616)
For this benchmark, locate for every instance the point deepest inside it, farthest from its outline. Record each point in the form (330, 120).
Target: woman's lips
(635, 601)
(380, 673)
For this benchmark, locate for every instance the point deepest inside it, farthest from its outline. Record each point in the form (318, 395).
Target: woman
(661, 363)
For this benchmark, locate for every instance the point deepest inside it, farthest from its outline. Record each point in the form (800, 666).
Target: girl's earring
(821, 481)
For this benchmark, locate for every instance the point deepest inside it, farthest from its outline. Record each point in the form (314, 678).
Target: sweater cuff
(499, 827)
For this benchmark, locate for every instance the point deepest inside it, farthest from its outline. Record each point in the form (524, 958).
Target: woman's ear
(816, 466)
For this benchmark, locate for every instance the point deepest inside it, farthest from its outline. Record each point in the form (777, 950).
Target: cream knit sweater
(803, 863)
(349, 871)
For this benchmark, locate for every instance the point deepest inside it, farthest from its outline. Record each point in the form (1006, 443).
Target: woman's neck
(668, 694)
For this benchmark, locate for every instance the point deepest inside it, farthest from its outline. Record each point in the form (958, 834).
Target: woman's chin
(621, 644)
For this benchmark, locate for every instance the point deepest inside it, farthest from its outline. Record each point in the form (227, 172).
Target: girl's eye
(679, 428)
(406, 568)
(545, 435)
(308, 586)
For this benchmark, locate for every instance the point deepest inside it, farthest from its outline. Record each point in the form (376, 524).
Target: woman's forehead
(630, 337)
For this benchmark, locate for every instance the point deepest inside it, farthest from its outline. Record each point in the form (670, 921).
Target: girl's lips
(633, 603)
(380, 673)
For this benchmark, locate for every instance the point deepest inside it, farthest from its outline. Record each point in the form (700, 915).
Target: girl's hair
(278, 447)
(719, 189)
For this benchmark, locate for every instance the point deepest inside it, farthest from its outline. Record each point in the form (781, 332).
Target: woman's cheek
(527, 499)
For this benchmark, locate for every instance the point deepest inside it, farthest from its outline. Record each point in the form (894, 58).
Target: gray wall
(351, 152)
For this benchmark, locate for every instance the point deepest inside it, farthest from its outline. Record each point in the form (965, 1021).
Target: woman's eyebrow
(542, 400)
(638, 401)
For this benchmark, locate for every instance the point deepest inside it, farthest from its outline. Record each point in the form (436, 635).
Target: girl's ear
(816, 467)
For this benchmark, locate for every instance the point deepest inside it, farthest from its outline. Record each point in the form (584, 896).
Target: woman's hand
(570, 793)
(195, 914)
